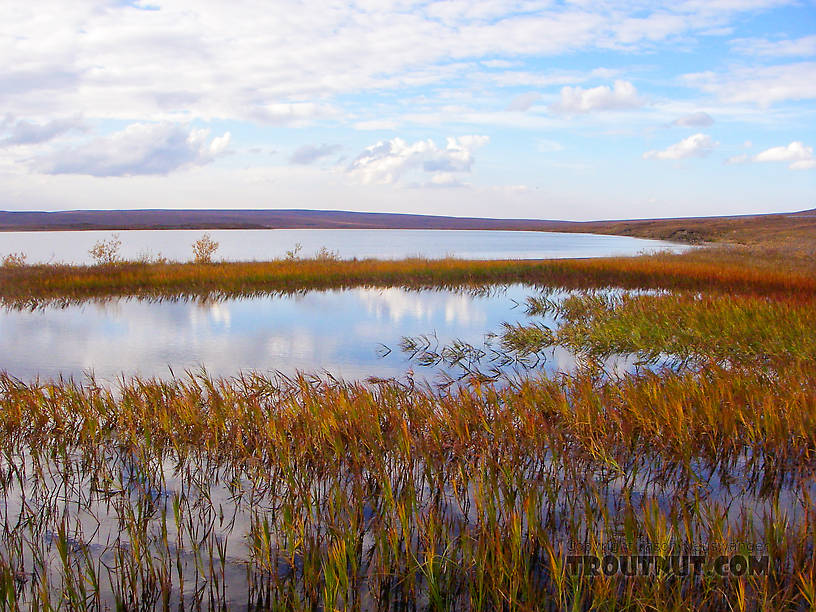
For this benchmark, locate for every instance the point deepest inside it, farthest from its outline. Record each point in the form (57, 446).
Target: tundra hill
(766, 229)
(253, 219)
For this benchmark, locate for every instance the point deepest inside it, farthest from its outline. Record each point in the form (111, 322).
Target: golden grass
(722, 271)
(396, 497)
(390, 496)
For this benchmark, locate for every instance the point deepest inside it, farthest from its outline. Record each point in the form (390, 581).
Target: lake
(342, 332)
(198, 517)
(243, 245)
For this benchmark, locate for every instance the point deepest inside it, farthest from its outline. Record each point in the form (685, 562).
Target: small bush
(106, 252)
(14, 260)
(204, 248)
(294, 254)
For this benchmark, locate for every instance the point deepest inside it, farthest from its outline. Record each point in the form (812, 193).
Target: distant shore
(695, 230)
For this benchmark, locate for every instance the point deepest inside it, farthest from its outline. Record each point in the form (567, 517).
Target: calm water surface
(341, 332)
(241, 245)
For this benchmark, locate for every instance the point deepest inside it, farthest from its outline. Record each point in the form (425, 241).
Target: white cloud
(498, 63)
(622, 96)
(697, 145)
(800, 156)
(376, 124)
(523, 102)
(294, 114)
(738, 159)
(139, 149)
(797, 47)
(524, 78)
(764, 85)
(387, 161)
(548, 146)
(443, 180)
(219, 144)
(22, 132)
(699, 119)
(308, 154)
(282, 61)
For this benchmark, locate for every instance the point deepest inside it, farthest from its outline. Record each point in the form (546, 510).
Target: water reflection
(339, 331)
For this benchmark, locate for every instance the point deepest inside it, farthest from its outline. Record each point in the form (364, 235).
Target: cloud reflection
(336, 331)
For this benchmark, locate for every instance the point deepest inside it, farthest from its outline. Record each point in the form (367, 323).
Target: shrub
(14, 260)
(294, 253)
(106, 252)
(204, 248)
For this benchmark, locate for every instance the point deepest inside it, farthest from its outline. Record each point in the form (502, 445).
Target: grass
(740, 331)
(390, 496)
(271, 492)
(723, 271)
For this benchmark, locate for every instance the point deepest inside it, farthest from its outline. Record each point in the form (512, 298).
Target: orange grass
(469, 496)
(719, 272)
(381, 495)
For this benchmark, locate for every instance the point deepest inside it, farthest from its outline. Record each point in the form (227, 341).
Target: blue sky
(558, 110)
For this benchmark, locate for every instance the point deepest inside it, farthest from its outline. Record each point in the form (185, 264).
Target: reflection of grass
(743, 331)
(466, 498)
(721, 270)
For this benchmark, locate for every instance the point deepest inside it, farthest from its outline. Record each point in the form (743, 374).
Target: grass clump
(14, 260)
(688, 328)
(327, 493)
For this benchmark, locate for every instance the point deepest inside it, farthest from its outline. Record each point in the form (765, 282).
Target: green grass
(741, 331)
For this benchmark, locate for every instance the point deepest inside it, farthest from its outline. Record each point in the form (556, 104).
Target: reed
(723, 271)
(270, 492)
(352, 495)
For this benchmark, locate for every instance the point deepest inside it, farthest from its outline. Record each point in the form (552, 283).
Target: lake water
(341, 332)
(346, 333)
(242, 245)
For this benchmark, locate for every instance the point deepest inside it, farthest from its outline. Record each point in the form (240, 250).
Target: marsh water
(156, 525)
(242, 245)
(346, 333)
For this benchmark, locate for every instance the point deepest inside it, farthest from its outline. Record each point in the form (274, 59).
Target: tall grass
(307, 492)
(352, 495)
(724, 274)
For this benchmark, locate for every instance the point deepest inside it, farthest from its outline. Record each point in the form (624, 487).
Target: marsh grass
(680, 328)
(724, 271)
(308, 492)
(325, 493)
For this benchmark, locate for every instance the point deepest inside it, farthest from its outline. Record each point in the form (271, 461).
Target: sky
(570, 109)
